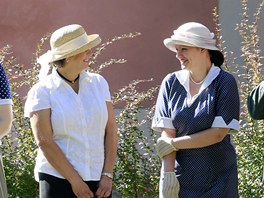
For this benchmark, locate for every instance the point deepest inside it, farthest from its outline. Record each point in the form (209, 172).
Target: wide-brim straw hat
(69, 41)
(65, 42)
(194, 34)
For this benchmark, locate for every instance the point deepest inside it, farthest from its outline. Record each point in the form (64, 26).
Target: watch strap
(110, 175)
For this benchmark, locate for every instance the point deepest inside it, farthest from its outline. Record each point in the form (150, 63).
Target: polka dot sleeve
(5, 93)
(162, 116)
(228, 105)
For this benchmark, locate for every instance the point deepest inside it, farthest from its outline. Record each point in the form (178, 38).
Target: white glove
(164, 146)
(169, 185)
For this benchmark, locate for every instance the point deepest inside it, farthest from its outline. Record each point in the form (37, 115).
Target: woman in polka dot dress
(196, 110)
(5, 122)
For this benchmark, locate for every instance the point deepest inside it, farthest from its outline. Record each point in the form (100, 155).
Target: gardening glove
(169, 185)
(164, 146)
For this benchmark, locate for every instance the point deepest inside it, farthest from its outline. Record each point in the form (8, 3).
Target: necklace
(197, 83)
(70, 81)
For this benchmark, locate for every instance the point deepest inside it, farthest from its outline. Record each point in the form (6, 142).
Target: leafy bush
(249, 140)
(137, 168)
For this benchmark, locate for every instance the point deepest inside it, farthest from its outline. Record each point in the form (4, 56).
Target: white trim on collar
(183, 77)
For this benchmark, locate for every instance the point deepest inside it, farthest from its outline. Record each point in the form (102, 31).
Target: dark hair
(216, 57)
(58, 63)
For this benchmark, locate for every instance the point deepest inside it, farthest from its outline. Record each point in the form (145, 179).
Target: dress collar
(84, 76)
(183, 77)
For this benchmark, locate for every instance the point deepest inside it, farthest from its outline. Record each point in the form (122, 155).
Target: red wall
(23, 23)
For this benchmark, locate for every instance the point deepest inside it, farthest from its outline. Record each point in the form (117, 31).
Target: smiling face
(82, 60)
(188, 56)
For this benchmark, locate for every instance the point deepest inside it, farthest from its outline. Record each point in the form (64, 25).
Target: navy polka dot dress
(208, 172)
(5, 94)
(5, 98)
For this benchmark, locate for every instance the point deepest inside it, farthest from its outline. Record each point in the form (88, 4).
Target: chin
(183, 67)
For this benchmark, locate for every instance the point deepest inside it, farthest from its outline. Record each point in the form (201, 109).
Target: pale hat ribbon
(57, 52)
(196, 40)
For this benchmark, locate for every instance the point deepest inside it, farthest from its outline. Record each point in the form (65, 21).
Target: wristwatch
(110, 175)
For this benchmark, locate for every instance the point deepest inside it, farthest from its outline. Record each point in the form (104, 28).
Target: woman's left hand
(164, 146)
(105, 187)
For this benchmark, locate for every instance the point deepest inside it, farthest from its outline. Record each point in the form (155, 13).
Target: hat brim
(170, 44)
(94, 40)
(218, 55)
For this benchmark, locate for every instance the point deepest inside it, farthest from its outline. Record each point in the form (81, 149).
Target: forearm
(110, 152)
(6, 118)
(168, 161)
(4, 128)
(201, 139)
(111, 140)
(58, 160)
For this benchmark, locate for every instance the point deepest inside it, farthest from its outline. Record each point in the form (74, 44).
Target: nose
(178, 54)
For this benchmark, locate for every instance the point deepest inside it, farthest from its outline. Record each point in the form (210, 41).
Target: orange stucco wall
(23, 23)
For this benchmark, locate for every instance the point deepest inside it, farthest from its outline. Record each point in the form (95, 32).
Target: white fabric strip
(196, 40)
(71, 45)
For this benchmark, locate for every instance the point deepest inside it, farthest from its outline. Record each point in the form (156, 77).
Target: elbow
(256, 115)
(5, 129)
(43, 143)
(220, 134)
(219, 138)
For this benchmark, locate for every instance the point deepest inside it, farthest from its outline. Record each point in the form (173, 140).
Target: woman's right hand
(81, 189)
(169, 185)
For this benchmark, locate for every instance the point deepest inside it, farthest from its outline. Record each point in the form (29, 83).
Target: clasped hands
(165, 146)
(169, 184)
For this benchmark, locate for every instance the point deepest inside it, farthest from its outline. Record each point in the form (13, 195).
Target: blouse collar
(84, 76)
(184, 77)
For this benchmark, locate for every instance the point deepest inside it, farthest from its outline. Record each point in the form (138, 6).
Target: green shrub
(137, 168)
(249, 140)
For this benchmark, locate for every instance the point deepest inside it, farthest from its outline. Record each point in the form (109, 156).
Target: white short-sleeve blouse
(78, 121)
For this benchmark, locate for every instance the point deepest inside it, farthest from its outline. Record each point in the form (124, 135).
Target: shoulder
(3, 77)
(257, 91)
(97, 79)
(226, 76)
(226, 79)
(169, 78)
(1, 68)
(41, 86)
(95, 76)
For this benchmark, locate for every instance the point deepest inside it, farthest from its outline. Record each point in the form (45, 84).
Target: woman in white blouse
(73, 120)
(6, 117)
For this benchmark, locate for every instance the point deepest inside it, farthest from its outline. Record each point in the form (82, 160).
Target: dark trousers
(54, 187)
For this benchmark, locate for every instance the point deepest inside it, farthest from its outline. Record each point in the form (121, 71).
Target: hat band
(70, 46)
(194, 39)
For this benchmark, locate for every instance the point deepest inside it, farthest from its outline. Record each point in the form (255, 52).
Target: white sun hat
(194, 34)
(65, 42)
